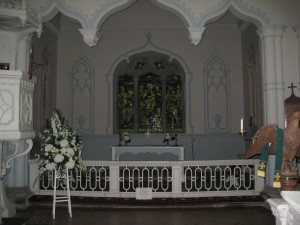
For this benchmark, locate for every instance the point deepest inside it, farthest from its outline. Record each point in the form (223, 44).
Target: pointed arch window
(150, 96)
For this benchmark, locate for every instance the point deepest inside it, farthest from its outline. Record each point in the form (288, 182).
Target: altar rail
(167, 179)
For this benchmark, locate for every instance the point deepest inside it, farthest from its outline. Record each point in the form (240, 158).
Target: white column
(271, 37)
(267, 34)
(279, 29)
(297, 30)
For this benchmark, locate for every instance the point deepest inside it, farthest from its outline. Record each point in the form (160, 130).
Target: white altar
(149, 153)
(285, 213)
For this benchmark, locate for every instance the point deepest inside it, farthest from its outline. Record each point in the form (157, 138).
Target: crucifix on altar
(292, 87)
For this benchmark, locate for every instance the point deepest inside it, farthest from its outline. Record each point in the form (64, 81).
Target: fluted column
(271, 37)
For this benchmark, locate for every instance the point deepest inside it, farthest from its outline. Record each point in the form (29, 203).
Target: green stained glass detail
(174, 104)
(126, 103)
(150, 104)
(140, 65)
(159, 65)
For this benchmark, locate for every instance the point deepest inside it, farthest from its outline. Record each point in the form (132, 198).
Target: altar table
(178, 151)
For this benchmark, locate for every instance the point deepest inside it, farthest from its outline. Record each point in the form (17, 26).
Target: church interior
(164, 97)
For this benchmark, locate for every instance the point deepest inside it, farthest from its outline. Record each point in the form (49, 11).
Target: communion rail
(167, 179)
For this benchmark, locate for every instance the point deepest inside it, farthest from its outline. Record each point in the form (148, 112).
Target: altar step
(201, 202)
(14, 221)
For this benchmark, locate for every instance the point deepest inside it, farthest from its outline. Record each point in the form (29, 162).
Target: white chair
(65, 198)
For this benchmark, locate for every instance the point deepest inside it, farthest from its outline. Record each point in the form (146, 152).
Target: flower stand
(66, 198)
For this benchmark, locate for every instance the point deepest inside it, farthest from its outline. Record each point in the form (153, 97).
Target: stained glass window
(174, 104)
(126, 103)
(150, 96)
(150, 103)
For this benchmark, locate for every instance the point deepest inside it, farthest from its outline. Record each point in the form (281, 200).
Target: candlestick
(242, 131)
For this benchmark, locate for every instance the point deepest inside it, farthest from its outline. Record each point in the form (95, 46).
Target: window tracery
(149, 95)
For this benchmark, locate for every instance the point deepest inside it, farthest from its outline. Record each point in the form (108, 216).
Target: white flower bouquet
(61, 148)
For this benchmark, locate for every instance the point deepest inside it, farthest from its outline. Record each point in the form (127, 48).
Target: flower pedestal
(66, 198)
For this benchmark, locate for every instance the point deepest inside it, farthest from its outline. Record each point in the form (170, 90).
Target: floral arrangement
(170, 137)
(125, 136)
(61, 148)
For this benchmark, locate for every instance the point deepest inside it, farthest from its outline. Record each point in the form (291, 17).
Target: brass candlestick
(242, 132)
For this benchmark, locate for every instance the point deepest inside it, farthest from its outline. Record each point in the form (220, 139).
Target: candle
(285, 122)
(242, 124)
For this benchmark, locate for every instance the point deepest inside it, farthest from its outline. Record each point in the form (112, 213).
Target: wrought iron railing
(165, 179)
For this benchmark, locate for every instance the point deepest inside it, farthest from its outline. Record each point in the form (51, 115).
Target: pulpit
(147, 153)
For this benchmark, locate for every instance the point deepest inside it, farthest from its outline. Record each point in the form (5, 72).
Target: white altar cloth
(178, 151)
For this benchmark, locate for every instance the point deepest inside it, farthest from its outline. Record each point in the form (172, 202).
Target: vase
(288, 181)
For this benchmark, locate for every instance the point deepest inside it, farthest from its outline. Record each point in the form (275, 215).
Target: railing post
(176, 181)
(114, 184)
(34, 180)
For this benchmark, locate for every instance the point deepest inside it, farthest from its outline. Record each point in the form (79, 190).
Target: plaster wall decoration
(16, 105)
(149, 47)
(6, 107)
(82, 83)
(216, 86)
(26, 110)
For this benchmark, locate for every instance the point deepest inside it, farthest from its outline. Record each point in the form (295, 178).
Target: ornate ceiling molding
(92, 16)
(196, 21)
(90, 21)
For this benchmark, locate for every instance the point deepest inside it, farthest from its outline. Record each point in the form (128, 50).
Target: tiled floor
(218, 215)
